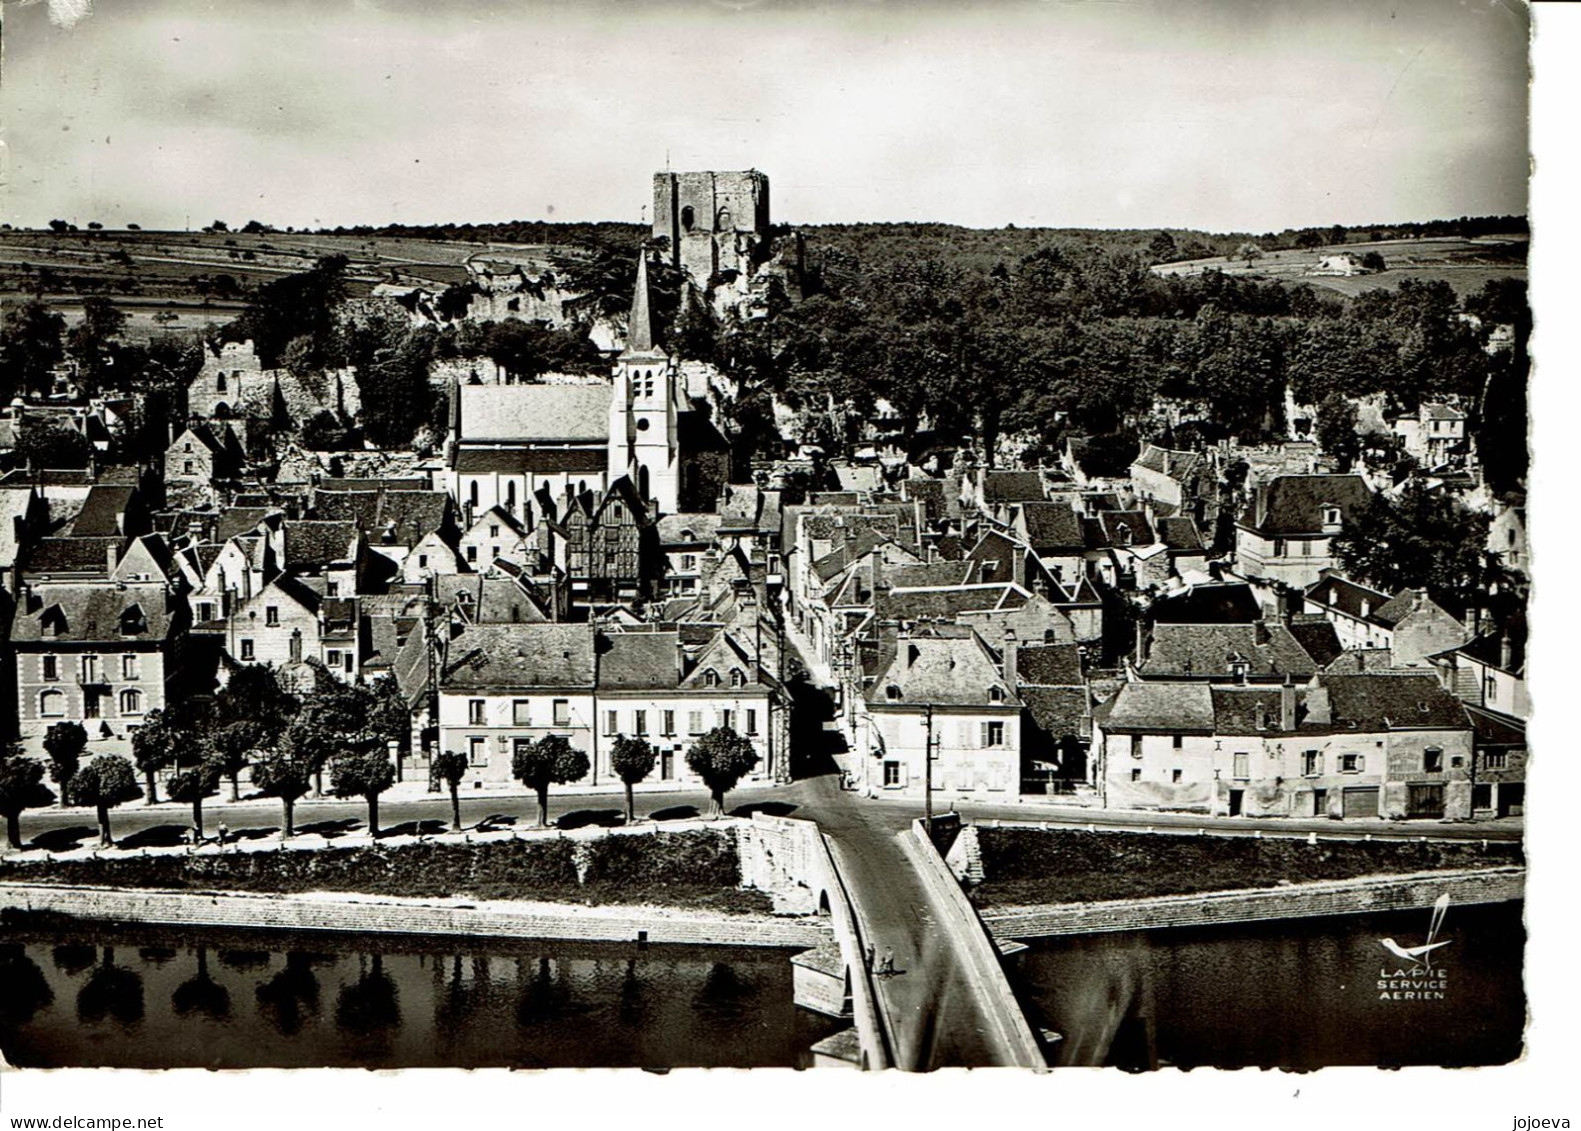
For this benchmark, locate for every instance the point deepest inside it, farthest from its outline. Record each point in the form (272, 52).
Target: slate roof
(1317, 639)
(1401, 605)
(1051, 665)
(1293, 504)
(942, 670)
(518, 461)
(1181, 534)
(1058, 710)
(510, 656)
(1207, 650)
(102, 511)
(1220, 603)
(91, 612)
(1158, 707)
(1337, 592)
(1103, 530)
(1487, 648)
(241, 520)
(1377, 700)
(1177, 465)
(704, 528)
(70, 555)
(489, 600)
(534, 413)
(639, 660)
(414, 514)
(946, 604)
(1052, 527)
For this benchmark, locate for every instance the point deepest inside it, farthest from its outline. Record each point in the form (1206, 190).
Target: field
(1465, 264)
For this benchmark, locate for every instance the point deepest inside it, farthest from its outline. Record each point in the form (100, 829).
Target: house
(1411, 625)
(504, 685)
(1507, 538)
(1432, 434)
(203, 453)
(611, 544)
(1353, 746)
(1262, 652)
(1498, 780)
(1056, 727)
(394, 520)
(1489, 671)
(332, 552)
(494, 534)
(1287, 534)
(1056, 535)
(685, 540)
(289, 622)
(99, 653)
(1168, 477)
(945, 691)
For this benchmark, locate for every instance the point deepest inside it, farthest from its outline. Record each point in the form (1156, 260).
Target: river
(1298, 993)
(141, 997)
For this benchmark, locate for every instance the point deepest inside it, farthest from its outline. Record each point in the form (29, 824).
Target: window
(736, 678)
(752, 721)
(332, 657)
(1495, 760)
(521, 745)
(521, 712)
(1243, 765)
(494, 530)
(477, 751)
(711, 678)
(1176, 741)
(51, 668)
(272, 616)
(472, 553)
(219, 383)
(669, 722)
(1174, 777)
(1311, 763)
(129, 666)
(422, 561)
(611, 722)
(1136, 775)
(247, 650)
(694, 722)
(892, 692)
(186, 467)
(1432, 760)
(131, 702)
(639, 722)
(1352, 763)
(205, 610)
(332, 589)
(994, 734)
(996, 694)
(52, 704)
(727, 719)
(891, 775)
(476, 709)
(90, 669)
(1330, 516)
(1136, 746)
(1490, 687)
(562, 712)
(91, 707)
(688, 561)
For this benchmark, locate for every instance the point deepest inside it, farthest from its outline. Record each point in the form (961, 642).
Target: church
(513, 445)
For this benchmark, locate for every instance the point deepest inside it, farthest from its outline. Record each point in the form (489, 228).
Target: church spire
(639, 331)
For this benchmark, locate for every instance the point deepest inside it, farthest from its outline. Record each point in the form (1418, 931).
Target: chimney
(1319, 709)
(1141, 641)
(1506, 651)
(1287, 705)
(1010, 658)
(111, 556)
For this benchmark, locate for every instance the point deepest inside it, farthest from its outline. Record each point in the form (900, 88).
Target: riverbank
(697, 868)
(1020, 866)
(1359, 895)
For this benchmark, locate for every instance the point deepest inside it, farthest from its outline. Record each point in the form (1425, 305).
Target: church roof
(535, 413)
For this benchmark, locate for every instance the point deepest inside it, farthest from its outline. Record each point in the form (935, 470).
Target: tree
(1248, 251)
(632, 759)
(21, 787)
(64, 743)
(91, 340)
(159, 744)
(288, 778)
(190, 787)
(1336, 429)
(231, 745)
(549, 761)
(251, 713)
(450, 767)
(1421, 540)
(721, 758)
(1162, 249)
(1373, 261)
(104, 783)
(30, 346)
(53, 446)
(364, 772)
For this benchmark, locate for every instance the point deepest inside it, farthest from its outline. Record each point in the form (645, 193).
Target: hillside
(1465, 264)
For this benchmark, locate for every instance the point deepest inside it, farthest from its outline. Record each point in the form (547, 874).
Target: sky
(1229, 115)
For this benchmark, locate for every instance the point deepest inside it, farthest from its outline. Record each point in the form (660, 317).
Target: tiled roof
(1052, 527)
(639, 660)
(1012, 486)
(1058, 710)
(702, 528)
(411, 514)
(50, 556)
(241, 520)
(527, 413)
(1180, 533)
(1208, 650)
(1159, 707)
(518, 461)
(1488, 648)
(1374, 700)
(944, 671)
(311, 544)
(1219, 603)
(1293, 504)
(1109, 529)
(1177, 465)
(521, 656)
(1317, 639)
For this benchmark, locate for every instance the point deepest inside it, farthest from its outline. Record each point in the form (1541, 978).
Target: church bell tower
(644, 409)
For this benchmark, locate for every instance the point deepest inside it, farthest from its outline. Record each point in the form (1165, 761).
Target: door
(667, 764)
(1361, 801)
(1512, 798)
(1425, 800)
(1320, 803)
(1236, 796)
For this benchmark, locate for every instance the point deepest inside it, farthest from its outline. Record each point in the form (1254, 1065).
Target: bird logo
(1423, 954)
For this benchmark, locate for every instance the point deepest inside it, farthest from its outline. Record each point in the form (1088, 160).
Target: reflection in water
(111, 991)
(201, 993)
(1294, 994)
(291, 996)
(396, 1002)
(23, 988)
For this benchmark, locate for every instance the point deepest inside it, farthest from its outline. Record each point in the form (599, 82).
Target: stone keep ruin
(716, 225)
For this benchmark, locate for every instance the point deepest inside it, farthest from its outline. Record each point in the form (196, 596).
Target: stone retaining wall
(1296, 901)
(409, 917)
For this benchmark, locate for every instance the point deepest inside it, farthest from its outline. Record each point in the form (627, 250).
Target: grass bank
(694, 869)
(1029, 866)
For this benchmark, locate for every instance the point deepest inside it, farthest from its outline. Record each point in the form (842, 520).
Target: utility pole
(927, 777)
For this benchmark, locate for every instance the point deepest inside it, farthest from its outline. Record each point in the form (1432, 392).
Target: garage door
(1361, 802)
